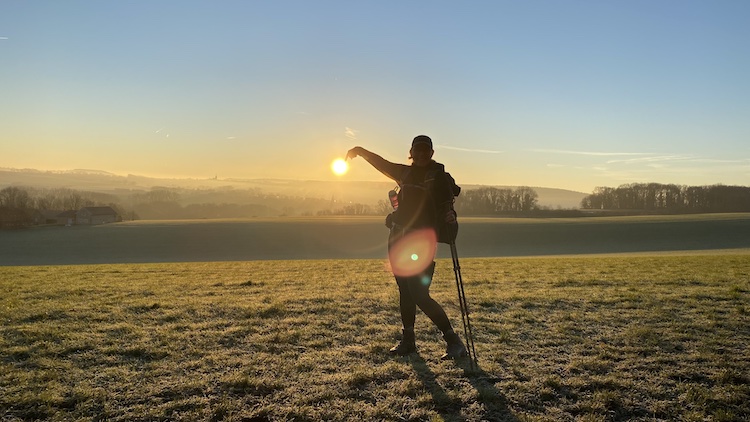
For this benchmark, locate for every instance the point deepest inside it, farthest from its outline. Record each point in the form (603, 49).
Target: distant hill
(340, 191)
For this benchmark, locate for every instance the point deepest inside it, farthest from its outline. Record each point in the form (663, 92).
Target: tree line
(53, 199)
(670, 198)
(496, 201)
(486, 201)
(17, 204)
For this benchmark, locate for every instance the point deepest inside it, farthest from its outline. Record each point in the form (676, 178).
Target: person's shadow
(495, 404)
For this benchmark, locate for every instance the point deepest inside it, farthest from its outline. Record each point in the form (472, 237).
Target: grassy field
(585, 338)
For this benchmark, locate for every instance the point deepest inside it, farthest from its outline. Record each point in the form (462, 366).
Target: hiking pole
(463, 304)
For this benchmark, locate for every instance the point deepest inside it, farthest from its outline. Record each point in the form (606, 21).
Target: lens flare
(339, 166)
(413, 253)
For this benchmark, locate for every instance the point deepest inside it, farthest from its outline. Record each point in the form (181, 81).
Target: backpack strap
(431, 176)
(404, 177)
(446, 224)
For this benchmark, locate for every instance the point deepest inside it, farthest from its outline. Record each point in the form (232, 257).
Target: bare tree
(527, 197)
(383, 207)
(14, 197)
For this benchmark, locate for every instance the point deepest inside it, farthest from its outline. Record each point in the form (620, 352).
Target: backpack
(420, 205)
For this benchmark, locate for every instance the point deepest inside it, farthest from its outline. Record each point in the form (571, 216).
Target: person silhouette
(424, 187)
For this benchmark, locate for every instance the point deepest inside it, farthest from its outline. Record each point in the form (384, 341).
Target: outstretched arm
(389, 169)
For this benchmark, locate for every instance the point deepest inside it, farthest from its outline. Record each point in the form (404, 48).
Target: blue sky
(567, 94)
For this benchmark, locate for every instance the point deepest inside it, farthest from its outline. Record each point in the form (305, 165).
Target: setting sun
(339, 166)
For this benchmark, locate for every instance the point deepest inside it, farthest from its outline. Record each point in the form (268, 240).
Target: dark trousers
(414, 291)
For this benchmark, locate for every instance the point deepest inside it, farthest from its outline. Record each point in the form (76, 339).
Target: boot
(406, 345)
(455, 348)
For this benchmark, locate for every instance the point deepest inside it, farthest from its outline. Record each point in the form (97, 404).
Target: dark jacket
(425, 192)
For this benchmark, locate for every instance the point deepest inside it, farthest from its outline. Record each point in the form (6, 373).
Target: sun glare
(413, 253)
(339, 166)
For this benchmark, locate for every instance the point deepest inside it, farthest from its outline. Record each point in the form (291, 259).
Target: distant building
(67, 218)
(47, 217)
(96, 215)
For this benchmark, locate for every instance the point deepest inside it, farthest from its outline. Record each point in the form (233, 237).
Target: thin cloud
(653, 159)
(591, 153)
(718, 161)
(350, 133)
(667, 167)
(485, 151)
(4, 38)
(162, 132)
